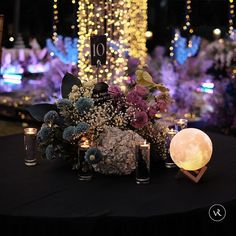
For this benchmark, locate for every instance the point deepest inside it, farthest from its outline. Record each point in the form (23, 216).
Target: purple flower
(140, 119)
(141, 90)
(114, 90)
(133, 97)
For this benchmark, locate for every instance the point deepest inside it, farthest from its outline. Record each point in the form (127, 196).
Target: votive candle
(30, 146)
(84, 168)
(142, 157)
(168, 161)
(181, 124)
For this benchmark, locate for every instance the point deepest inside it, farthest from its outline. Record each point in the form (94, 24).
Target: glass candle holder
(142, 157)
(84, 168)
(181, 124)
(168, 161)
(30, 146)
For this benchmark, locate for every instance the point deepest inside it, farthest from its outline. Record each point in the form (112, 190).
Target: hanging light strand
(231, 17)
(109, 17)
(55, 20)
(187, 26)
(137, 37)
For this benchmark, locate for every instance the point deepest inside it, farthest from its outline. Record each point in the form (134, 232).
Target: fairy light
(55, 20)
(149, 34)
(181, 48)
(187, 26)
(112, 18)
(138, 18)
(231, 18)
(173, 42)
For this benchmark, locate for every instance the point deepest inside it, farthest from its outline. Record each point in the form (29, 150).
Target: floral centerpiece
(111, 120)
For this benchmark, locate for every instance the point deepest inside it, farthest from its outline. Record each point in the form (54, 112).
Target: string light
(173, 43)
(231, 18)
(187, 26)
(181, 48)
(138, 18)
(118, 20)
(55, 20)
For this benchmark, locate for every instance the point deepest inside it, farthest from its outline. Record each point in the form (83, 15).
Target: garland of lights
(138, 18)
(118, 20)
(55, 20)
(181, 48)
(74, 16)
(187, 26)
(231, 18)
(171, 48)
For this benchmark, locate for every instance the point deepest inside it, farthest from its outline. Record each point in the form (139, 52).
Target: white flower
(118, 149)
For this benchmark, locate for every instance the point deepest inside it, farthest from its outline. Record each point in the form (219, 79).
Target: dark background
(163, 17)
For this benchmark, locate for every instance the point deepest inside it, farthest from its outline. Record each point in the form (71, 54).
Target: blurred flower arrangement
(182, 80)
(112, 121)
(188, 97)
(222, 52)
(223, 113)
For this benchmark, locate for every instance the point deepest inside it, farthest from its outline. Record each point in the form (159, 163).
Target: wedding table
(49, 199)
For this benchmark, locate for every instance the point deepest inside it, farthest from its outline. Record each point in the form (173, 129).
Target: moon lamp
(191, 149)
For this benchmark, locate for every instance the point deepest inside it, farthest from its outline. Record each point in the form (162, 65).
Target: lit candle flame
(84, 143)
(30, 131)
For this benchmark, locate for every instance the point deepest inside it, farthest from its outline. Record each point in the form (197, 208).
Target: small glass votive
(181, 124)
(84, 168)
(142, 157)
(168, 161)
(30, 146)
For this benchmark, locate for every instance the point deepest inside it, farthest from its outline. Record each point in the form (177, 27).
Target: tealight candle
(142, 157)
(168, 161)
(181, 124)
(84, 170)
(30, 146)
(84, 144)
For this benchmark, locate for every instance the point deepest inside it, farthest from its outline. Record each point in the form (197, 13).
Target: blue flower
(51, 117)
(44, 135)
(50, 152)
(68, 133)
(93, 155)
(84, 104)
(63, 103)
(81, 127)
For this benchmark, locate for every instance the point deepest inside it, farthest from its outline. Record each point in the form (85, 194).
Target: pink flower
(140, 119)
(162, 105)
(133, 97)
(141, 90)
(152, 110)
(141, 104)
(115, 90)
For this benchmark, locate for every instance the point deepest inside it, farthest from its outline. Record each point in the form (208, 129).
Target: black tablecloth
(49, 198)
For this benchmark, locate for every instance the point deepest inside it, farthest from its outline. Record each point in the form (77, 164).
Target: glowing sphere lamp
(191, 149)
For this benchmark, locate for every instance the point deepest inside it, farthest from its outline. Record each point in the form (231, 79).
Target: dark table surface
(50, 194)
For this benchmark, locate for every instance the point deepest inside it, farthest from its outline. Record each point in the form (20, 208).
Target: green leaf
(38, 111)
(68, 82)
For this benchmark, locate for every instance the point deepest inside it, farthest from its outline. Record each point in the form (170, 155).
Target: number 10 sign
(98, 45)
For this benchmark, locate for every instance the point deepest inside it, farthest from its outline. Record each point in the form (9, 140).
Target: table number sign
(98, 45)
